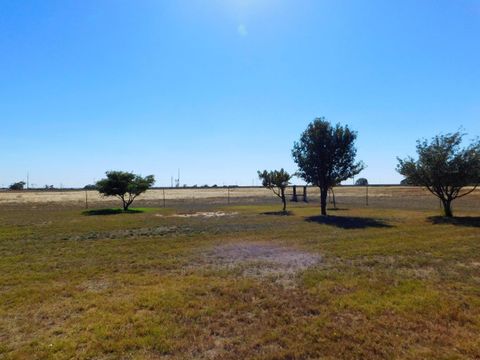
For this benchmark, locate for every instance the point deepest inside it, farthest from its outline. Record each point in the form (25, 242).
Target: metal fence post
(366, 196)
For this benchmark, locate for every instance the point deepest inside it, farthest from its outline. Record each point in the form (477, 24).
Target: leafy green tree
(124, 185)
(277, 181)
(20, 185)
(361, 182)
(444, 168)
(325, 156)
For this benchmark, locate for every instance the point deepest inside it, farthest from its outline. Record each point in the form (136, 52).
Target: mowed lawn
(239, 282)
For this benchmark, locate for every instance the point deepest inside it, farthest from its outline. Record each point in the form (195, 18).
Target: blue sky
(222, 88)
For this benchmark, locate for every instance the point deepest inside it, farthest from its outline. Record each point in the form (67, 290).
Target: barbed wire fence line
(345, 196)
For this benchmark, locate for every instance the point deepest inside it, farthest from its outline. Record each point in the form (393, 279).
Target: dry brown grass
(388, 281)
(391, 195)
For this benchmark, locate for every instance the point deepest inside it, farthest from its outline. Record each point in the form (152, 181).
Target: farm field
(203, 279)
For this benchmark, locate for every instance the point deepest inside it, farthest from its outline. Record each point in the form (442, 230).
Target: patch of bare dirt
(204, 214)
(95, 285)
(279, 264)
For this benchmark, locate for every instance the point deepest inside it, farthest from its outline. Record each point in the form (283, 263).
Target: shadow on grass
(278, 213)
(349, 222)
(101, 212)
(472, 221)
(337, 209)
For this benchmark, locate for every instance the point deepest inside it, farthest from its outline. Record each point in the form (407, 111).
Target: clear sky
(222, 88)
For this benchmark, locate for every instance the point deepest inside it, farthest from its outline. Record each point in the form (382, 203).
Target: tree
(277, 181)
(325, 156)
(361, 182)
(20, 185)
(444, 168)
(124, 185)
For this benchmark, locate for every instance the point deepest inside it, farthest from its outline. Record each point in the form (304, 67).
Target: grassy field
(212, 281)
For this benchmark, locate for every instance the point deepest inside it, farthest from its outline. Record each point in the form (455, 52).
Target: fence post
(367, 195)
(294, 196)
(305, 194)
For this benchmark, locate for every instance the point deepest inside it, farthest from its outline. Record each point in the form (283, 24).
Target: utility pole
(177, 180)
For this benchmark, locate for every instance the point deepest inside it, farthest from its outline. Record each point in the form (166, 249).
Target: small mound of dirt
(279, 264)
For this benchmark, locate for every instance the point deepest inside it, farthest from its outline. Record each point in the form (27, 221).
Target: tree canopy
(444, 167)
(325, 156)
(20, 185)
(124, 185)
(277, 181)
(361, 182)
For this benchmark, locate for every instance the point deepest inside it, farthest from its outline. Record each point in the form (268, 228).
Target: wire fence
(344, 196)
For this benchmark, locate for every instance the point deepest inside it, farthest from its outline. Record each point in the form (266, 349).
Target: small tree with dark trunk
(444, 168)
(325, 156)
(277, 181)
(124, 185)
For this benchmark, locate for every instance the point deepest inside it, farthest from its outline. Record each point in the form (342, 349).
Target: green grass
(392, 283)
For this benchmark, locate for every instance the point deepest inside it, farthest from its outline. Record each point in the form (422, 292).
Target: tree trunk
(323, 200)
(284, 200)
(126, 204)
(447, 207)
(334, 201)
